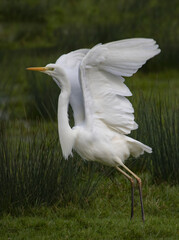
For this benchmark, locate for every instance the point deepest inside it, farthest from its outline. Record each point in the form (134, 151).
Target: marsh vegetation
(44, 196)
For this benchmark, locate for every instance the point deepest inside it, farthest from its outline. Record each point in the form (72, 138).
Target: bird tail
(137, 148)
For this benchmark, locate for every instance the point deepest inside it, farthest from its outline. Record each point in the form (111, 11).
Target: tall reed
(158, 127)
(33, 171)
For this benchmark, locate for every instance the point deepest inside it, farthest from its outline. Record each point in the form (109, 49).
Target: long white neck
(76, 102)
(66, 134)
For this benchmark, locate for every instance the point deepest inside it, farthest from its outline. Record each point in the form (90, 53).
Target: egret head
(50, 69)
(53, 70)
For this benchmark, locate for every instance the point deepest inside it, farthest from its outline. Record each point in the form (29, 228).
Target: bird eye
(50, 68)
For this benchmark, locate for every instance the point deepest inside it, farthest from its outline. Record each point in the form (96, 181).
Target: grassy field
(42, 196)
(45, 197)
(104, 216)
(71, 25)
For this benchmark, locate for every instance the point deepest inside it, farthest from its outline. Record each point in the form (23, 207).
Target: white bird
(91, 81)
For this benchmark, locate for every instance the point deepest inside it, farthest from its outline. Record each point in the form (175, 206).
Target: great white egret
(91, 80)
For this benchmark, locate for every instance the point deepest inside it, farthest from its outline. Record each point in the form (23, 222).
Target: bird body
(91, 81)
(102, 146)
(102, 113)
(106, 146)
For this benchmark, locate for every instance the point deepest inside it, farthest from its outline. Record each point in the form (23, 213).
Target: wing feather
(72, 59)
(102, 71)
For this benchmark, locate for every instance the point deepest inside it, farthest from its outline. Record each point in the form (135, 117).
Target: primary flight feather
(91, 81)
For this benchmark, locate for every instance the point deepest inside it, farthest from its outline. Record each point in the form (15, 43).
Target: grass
(33, 171)
(73, 25)
(45, 197)
(30, 153)
(159, 129)
(104, 217)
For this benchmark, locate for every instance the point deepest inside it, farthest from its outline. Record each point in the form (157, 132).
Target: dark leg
(140, 189)
(132, 198)
(132, 189)
(141, 201)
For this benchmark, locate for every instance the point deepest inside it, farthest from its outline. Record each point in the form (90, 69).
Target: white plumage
(98, 98)
(91, 80)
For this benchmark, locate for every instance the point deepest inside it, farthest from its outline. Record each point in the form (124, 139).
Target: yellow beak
(41, 69)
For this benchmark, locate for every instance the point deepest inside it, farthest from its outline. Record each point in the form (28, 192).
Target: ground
(106, 216)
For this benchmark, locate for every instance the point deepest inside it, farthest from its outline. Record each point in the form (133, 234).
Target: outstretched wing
(70, 60)
(104, 91)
